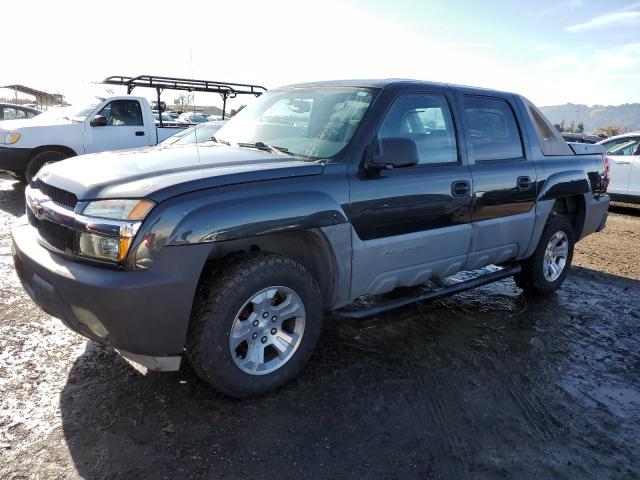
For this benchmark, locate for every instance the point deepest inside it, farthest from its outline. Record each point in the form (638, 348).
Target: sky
(552, 52)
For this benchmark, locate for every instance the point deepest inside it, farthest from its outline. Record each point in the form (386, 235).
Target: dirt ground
(487, 384)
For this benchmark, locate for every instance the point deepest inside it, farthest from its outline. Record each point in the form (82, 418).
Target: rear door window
(493, 130)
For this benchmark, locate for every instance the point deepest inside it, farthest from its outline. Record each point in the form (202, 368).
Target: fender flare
(211, 216)
(564, 184)
(558, 186)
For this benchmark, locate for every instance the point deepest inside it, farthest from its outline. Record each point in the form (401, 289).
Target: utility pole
(192, 77)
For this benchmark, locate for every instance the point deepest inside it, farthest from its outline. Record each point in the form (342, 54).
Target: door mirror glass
(394, 152)
(99, 121)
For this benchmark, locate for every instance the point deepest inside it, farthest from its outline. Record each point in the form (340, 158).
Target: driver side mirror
(392, 152)
(99, 121)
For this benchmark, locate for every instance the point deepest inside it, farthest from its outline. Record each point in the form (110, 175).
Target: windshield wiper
(264, 146)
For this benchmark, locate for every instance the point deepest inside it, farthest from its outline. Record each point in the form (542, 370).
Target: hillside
(627, 116)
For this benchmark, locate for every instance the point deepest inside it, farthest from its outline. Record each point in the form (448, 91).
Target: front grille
(56, 194)
(57, 236)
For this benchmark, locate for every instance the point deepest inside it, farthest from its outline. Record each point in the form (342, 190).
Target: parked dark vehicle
(580, 137)
(9, 111)
(230, 252)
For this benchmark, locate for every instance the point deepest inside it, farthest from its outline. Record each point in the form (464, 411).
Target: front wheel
(256, 319)
(547, 268)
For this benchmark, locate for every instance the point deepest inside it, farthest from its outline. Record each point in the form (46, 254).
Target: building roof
(45, 98)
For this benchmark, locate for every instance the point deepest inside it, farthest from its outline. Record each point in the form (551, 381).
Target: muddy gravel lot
(486, 384)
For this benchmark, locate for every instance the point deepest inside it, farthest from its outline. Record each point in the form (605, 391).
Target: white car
(114, 123)
(624, 158)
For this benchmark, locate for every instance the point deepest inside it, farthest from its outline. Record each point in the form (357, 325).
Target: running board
(444, 291)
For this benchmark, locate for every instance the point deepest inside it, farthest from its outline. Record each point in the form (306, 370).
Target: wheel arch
(575, 207)
(52, 148)
(311, 248)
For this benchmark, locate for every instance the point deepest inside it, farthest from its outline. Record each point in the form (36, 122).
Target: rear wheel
(40, 160)
(256, 319)
(547, 268)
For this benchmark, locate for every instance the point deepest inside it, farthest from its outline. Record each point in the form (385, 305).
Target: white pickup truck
(114, 123)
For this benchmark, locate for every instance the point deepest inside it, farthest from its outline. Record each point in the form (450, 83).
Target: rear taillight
(607, 174)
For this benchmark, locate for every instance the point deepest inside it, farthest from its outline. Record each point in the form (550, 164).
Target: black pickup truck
(230, 252)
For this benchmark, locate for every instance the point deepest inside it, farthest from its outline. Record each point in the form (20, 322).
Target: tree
(610, 130)
(579, 128)
(235, 111)
(571, 128)
(562, 129)
(558, 127)
(184, 102)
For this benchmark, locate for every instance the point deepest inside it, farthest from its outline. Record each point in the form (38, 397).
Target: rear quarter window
(551, 142)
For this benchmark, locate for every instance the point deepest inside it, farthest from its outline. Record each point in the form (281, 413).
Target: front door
(124, 129)
(504, 180)
(412, 224)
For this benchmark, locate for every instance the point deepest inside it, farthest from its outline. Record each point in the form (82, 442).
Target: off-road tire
(531, 278)
(40, 159)
(222, 292)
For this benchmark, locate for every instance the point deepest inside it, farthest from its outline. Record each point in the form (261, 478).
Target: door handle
(524, 183)
(139, 133)
(622, 162)
(461, 188)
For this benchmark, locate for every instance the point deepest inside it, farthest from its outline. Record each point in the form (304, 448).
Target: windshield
(310, 122)
(79, 113)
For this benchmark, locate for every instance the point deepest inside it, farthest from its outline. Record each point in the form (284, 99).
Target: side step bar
(449, 289)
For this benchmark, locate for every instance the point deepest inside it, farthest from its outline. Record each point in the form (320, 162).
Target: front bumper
(14, 160)
(143, 314)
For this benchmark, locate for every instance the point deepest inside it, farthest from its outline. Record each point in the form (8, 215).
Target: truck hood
(159, 173)
(13, 125)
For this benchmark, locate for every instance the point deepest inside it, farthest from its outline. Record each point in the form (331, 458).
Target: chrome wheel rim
(555, 256)
(267, 330)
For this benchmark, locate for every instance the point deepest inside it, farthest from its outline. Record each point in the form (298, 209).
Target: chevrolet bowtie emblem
(37, 209)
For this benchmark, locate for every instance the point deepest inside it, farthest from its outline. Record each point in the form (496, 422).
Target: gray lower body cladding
(596, 213)
(145, 313)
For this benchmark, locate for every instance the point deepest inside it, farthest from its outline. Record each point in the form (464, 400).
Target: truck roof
(388, 82)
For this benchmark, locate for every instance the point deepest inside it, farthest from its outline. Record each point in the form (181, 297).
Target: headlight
(110, 248)
(119, 209)
(10, 138)
(129, 214)
(98, 246)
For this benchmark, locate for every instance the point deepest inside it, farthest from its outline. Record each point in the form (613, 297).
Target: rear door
(411, 224)
(504, 179)
(621, 153)
(124, 129)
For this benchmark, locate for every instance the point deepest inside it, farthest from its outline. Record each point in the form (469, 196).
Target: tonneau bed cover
(586, 148)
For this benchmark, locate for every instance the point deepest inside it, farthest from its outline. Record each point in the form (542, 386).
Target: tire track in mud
(439, 411)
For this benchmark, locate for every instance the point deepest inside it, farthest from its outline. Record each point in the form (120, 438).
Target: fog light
(89, 319)
(98, 246)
